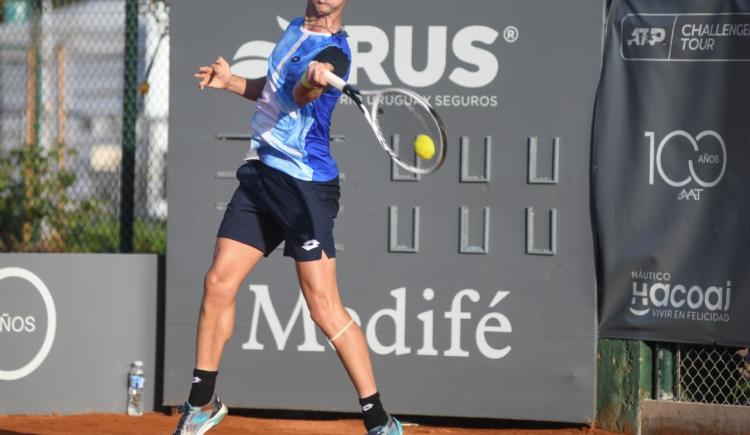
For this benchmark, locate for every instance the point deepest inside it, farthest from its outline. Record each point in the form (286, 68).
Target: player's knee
(217, 289)
(327, 315)
(321, 312)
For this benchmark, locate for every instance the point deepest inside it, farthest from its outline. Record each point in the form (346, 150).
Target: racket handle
(335, 81)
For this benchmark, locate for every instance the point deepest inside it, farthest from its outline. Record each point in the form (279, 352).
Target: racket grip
(335, 81)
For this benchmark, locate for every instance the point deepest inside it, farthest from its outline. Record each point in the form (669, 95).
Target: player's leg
(306, 212)
(319, 286)
(246, 233)
(318, 282)
(233, 261)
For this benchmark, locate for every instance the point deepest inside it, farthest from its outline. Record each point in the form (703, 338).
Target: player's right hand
(316, 73)
(217, 76)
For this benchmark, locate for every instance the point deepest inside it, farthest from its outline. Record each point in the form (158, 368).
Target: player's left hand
(217, 76)
(316, 73)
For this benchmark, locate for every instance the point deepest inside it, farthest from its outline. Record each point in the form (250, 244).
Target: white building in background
(81, 72)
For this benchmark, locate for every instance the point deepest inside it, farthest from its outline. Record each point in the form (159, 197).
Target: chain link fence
(84, 105)
(714, 375)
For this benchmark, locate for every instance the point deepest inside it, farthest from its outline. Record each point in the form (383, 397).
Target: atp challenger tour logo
(655, 294)
(19, 327)
(647, 36)
(470, 45)
(691, 37)
(489, 330)
(687, 162)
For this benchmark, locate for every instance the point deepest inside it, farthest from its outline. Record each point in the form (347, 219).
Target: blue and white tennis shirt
(291, 138)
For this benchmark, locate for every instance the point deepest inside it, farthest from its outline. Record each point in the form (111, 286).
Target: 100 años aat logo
(14, 323)
(655, 294)
(691, 163)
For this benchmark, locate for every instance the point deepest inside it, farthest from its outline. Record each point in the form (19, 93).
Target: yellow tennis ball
(424, 146)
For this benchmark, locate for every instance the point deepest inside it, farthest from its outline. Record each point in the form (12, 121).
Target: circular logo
(49, 336)
(703, 158)
(510, 34)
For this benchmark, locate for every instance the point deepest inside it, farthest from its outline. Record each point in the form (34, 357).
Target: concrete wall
(70, 326)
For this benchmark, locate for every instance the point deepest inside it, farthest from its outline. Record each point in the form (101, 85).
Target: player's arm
(313, 82)
(219, 76)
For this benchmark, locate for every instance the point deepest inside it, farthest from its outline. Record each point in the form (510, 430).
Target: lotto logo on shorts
(310, 245)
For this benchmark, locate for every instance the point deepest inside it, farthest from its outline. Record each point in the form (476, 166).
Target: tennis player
(288, 191)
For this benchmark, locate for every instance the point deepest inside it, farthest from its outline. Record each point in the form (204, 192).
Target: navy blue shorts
(270, 206)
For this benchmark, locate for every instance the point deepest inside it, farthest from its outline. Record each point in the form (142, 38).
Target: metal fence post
(664, 371)
(33, 109)
(624, 380)
(129, 118)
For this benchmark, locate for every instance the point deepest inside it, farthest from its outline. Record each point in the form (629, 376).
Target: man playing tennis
(288, 191)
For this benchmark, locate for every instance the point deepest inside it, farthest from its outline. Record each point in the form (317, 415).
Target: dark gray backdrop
(670, 172)
(104, 309)
(528, 280)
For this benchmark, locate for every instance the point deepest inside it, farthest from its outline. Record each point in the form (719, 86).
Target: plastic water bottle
(136, 381)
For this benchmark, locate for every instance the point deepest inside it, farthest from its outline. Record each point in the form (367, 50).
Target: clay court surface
(154, 423)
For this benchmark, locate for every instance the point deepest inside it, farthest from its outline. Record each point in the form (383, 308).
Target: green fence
(84, 105)
(630, 371)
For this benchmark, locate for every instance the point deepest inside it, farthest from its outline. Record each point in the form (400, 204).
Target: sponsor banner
(691, 37)
(75, 322)
(670, 172)
(475, 285)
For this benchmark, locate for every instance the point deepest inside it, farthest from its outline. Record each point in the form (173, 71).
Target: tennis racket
(404, 123)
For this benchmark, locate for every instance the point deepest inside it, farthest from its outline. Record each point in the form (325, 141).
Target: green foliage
(103, 235)
(741, 391)
(38, 215)
(33, 200)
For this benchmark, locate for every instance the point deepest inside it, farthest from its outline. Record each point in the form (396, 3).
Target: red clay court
(156, 423)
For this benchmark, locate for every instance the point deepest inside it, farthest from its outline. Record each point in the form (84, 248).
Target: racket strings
(401, 119)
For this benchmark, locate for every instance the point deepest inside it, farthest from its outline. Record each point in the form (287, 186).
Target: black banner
(671, 172)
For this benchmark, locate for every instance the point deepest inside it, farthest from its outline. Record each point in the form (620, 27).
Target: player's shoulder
(294, 27)
(339, 41)
(296, 23)
(333, 54)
